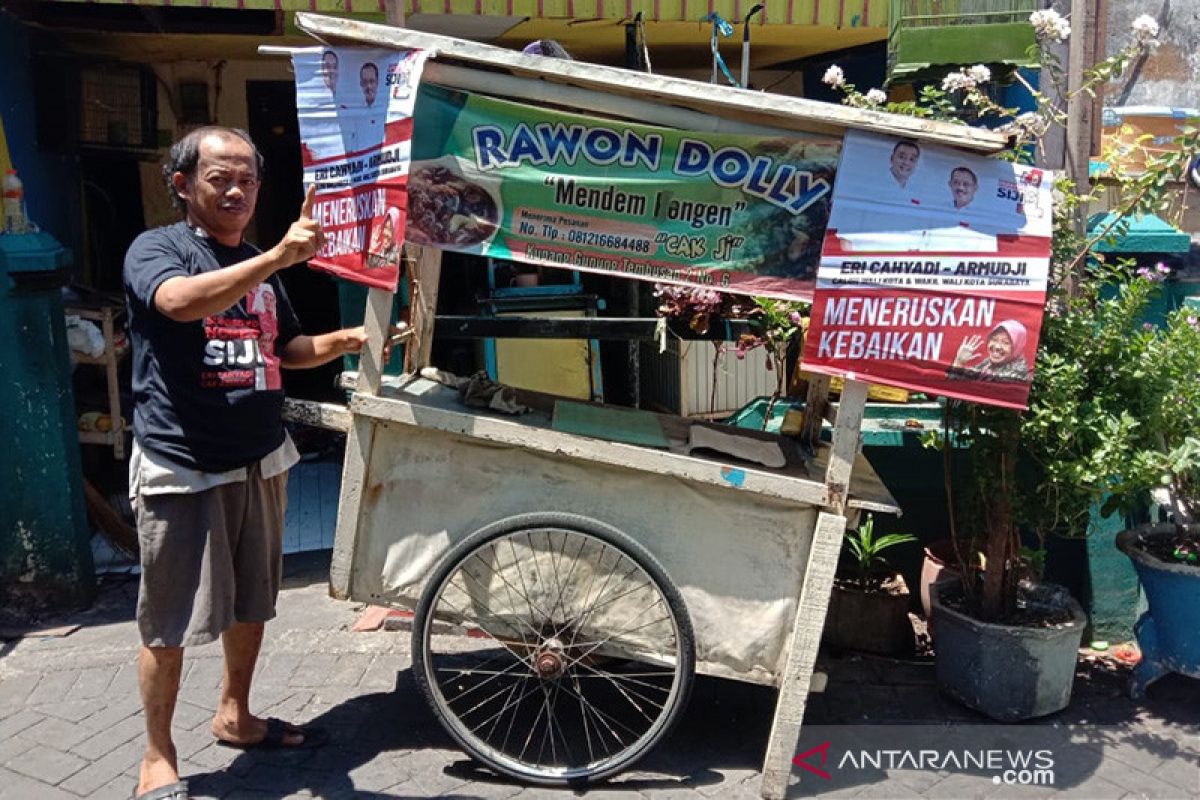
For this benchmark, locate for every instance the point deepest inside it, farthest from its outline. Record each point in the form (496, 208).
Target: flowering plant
(1116, 402)
(1114, 409)
(774, 325)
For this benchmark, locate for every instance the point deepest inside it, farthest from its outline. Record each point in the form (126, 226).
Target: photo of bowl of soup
(447, 209)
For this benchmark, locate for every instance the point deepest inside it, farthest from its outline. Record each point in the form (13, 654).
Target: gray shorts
(210, 559)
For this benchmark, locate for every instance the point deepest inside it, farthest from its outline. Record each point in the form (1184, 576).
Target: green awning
(913, 51)
(1147, 234)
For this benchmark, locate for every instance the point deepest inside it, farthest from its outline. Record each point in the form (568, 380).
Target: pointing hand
(304, 238)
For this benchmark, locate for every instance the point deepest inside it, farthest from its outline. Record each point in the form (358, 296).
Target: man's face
(222, 193)
(329, 70)
(904, 162)
(368, 79)
(962, 187)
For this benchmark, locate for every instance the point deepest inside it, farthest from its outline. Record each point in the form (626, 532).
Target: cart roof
(779, 111)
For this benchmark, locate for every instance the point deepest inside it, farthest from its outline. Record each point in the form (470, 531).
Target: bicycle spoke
(629, 694)
(587, 735)
(577, 621)
(485, 682)
(603, 642)
(476, 612)
(609, 718)
(487, 736)
(580, 620)
(481, 703)
(574, 564)
(518, 656)
(625, 676)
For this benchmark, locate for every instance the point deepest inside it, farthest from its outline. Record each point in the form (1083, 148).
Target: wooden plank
(602, 328)
(543, 93)
(847, 433)
(815, 404)
(792, 113)
(319, 415)
(377, 320)
(805, 639)
(359, 442)
(519, 434)
(424, 277)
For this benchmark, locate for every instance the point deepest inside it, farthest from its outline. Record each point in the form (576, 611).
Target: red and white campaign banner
(933, 271)
(355, 108)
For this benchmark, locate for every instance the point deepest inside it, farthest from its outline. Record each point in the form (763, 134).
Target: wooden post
(359, 444)
(393, 12)
(117, 431)
(803, 643)
(377, 320)
(424, 274)
(1081, 107)
(847, 433)
(815, 402)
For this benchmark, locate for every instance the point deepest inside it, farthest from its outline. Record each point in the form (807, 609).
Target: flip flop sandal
(275, 739)
(172, 791)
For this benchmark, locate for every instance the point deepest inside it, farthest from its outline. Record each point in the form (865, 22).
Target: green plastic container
(45, 558)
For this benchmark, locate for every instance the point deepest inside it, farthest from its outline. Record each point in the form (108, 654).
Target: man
(368, 81)
(963, 185)
(329, 70)
(211, 326)
(904, 159)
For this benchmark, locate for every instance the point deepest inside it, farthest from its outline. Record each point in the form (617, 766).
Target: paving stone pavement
(71, 727)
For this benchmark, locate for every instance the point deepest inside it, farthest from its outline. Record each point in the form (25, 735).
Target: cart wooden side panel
(736, 541)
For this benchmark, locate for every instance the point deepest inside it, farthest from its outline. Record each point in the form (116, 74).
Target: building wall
(1171, 75)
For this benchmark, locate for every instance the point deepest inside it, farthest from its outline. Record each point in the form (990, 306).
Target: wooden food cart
(567, 586)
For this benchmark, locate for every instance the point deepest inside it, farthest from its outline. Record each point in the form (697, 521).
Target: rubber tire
(581, 524)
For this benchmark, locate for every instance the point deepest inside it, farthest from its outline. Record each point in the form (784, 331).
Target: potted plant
(1007, 643)
(773, 324)
(1165, 557)
(868, 609)
(1166, 456)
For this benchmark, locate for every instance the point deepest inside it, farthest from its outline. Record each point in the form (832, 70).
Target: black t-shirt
(208, 394)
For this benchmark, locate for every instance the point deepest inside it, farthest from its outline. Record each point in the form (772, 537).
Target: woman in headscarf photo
(1003, 358)
(385, 245)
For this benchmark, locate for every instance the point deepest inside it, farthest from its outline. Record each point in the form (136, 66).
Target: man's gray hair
(185, 156)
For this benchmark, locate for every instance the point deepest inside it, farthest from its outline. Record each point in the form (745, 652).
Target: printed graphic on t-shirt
(240, 352)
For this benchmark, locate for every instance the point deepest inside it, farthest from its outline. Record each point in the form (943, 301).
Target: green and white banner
(737, 213)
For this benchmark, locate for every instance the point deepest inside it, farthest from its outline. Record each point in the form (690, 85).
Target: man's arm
(191, 298)
(312, 351)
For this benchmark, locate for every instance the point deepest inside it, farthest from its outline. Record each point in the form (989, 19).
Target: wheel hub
(549, 661)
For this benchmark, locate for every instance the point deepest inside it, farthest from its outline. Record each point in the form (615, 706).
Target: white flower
(1028, 124)
(956, 81)
(1031, 121)
(979, 73)
(834, 76)
(876, 97)
(1145, 30)
(1049, 24)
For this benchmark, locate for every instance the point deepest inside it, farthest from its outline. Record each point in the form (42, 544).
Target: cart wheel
(572, 655)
